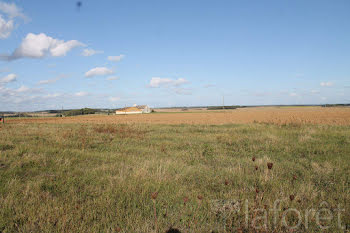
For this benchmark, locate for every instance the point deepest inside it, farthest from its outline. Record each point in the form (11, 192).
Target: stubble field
(273, 115)
(247, 170)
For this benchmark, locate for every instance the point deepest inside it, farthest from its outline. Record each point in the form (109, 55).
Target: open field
(69, 175)
(275, 115)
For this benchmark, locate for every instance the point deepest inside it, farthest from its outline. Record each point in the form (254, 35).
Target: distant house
(137, 109)
(144, 108)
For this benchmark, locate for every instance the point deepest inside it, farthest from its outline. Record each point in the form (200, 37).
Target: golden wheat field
(273, 115)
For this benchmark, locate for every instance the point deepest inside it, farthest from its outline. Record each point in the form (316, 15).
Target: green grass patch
(99, 178)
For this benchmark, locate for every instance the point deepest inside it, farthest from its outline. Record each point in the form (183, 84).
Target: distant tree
(83, 111)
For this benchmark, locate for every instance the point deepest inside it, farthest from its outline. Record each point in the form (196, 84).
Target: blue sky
(163, 53)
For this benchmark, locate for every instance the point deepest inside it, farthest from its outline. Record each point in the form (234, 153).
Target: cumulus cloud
(12, 10)
(7, 23)
(6, 28)
(90, 52)
(112, 78)
(116, 58)
(60, 48)
(326, 84)
(81, 93)
(23, 89)
(8, 78)
(98, 71)
(158, 82)
(166, 82)
(40, 45)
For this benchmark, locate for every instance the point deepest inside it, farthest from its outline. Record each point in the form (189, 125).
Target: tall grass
(103, 178)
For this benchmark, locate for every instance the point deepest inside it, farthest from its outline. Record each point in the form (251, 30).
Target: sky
(116, 53)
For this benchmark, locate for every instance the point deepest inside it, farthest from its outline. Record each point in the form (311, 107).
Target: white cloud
(116, 58)
(23, 89)
(8, 78)
(6, 28)
(81, 93)
(60, 48)
(90, 52)
(25, 98)
(293, 94)
(326, 84)
(112, 78)
(98, 71)
(315, 91)
(28, 98)
(40, 45)
(7, 23)
(166, 82)
(114, 99)
(157, 82)
(12, 10)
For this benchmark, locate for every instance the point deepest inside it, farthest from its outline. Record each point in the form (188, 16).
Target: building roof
(141, 106)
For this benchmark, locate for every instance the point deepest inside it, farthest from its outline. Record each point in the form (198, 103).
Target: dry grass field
(274, 115)
(288, 170)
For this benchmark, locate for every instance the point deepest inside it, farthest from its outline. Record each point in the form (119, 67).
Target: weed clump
(269, 166)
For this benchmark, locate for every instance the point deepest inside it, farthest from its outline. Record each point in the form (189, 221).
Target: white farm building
(138, 109)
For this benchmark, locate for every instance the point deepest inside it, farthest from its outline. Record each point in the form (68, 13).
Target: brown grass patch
(122, 131)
